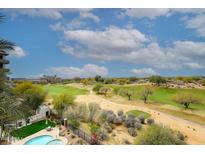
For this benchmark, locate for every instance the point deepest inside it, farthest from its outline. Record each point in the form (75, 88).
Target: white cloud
(132, 46)
(150, 13)
(144, 72)
(46, 13)
(52, 13)
(17, 52)
(57, 26)
(198, 23)
(88, 15)
(89, 70)
(194, 65)
(112, 40)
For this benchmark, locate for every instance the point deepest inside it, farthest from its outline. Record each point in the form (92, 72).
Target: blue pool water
(44, 140)
(55, 142)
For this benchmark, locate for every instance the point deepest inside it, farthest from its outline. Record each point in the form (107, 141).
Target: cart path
(195, 132)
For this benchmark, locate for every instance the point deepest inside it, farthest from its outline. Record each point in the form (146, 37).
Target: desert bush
(129, 122)
(93, 110)
(107, 127)
(110, 118)
(123, 117)
(180, 136)
(142, 119)
(82, 112)
(103, 135)
(105, 91)
(138, 126)
(117, 121)
(97, 87)
(150, 121)
(132, 131)
(120, 113)
(108, 81)
(158, 135)
(137, 120)
(107, 115)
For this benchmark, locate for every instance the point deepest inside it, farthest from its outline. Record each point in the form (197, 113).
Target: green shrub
(94, 128)
(74, 123)
(97, 87)
(158, 135)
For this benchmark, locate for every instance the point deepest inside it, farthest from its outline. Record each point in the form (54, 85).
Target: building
(41, 113)
(3, 61)
(51, 79)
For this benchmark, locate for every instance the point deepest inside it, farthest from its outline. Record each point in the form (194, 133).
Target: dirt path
(195, 132)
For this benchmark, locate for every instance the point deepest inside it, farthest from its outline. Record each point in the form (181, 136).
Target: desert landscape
(90, 80)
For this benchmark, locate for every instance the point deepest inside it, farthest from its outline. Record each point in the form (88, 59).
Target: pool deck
(54, 133)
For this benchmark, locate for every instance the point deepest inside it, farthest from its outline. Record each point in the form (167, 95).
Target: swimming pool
(43, 140)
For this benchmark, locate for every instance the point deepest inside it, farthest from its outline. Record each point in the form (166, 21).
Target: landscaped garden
(31, 129)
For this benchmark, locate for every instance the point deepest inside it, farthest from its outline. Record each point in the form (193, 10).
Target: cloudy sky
(108, 42)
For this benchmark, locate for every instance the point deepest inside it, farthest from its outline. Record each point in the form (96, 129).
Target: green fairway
(164, 95)
(57, 89)
(31, 129)
(138, 113)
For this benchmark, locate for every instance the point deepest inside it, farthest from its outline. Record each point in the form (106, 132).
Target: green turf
(31, 129)
(57, 89)
(165, 95)
(138, 113)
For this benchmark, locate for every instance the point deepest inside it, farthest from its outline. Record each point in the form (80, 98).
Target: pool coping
(54, 133)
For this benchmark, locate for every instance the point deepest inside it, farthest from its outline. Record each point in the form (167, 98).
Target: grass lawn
(57, 89)
(165, 95)
(31, 129)
(138, 113)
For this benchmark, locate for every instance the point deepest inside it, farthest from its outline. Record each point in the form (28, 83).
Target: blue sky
(108, 42)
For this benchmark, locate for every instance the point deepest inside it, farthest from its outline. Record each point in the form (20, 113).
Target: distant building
(43, 80)
(51, 79)
(3, 61)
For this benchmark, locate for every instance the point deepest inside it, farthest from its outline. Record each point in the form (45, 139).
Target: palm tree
(11, 109)
(5, 45)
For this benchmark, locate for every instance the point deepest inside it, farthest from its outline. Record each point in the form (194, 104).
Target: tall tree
(32, 95)
(145, 94)
(5, 46)
(11, 109)
(61, 102)
(186, 98)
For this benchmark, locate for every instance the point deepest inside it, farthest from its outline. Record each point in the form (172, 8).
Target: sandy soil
(195, 132)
